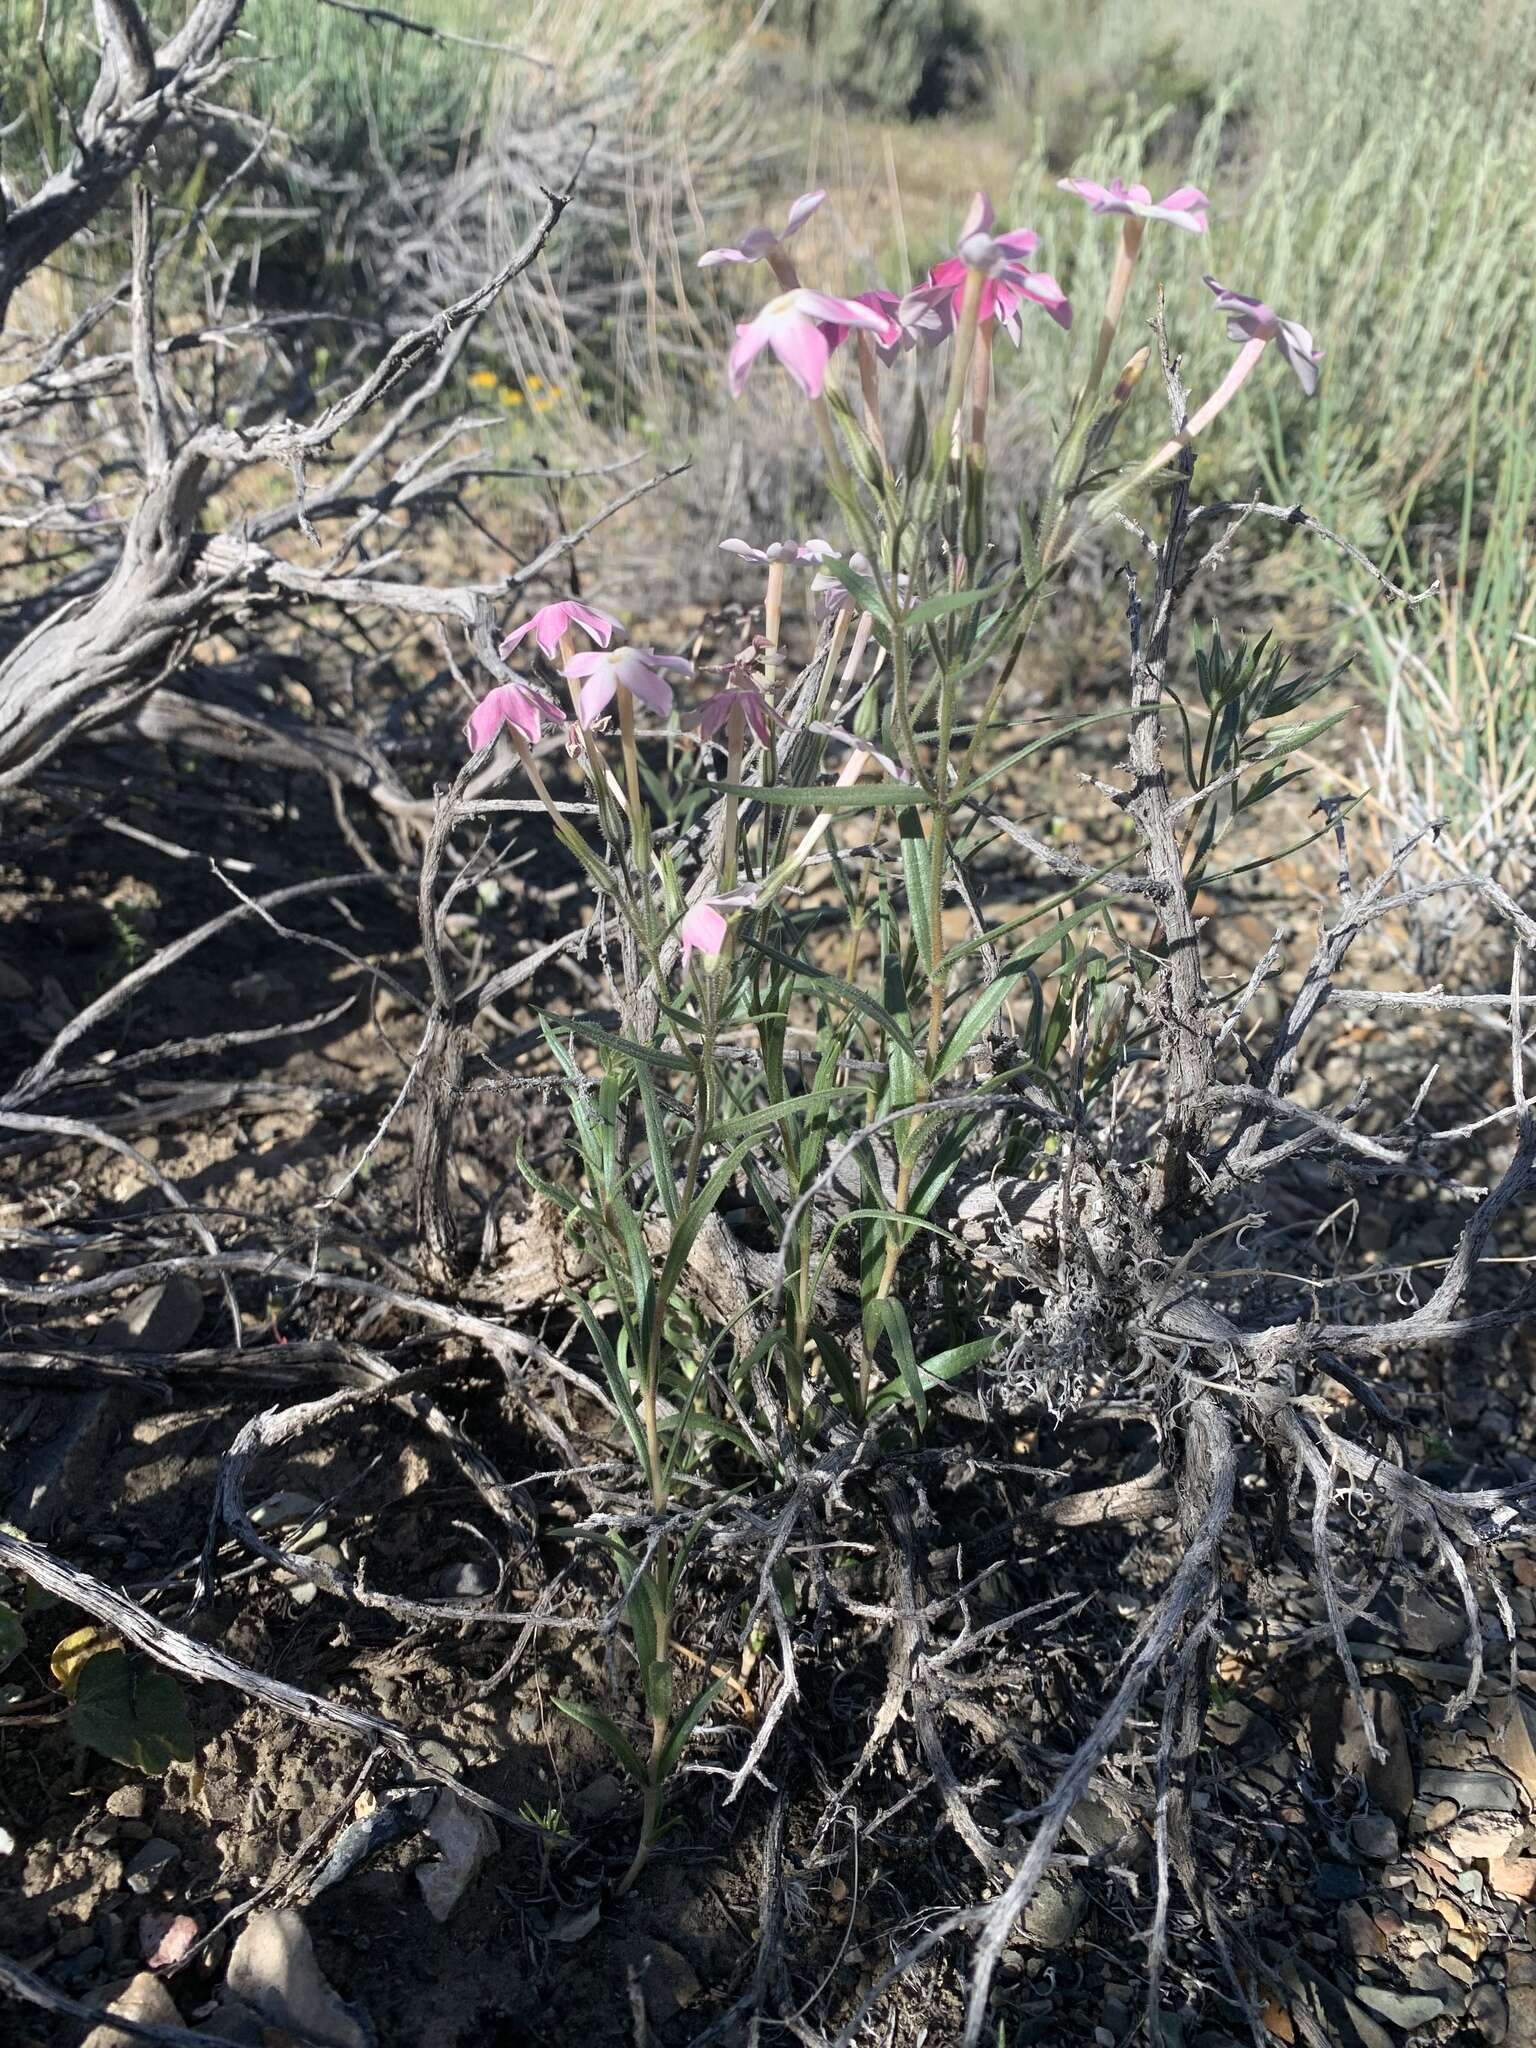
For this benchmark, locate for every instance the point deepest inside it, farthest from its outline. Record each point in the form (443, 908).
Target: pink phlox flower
(796, 327)
(834, 595)
(746, 698)
(776, 551)
(1253, 320)
(1184, 208)
(704, 926)
(635, 669)
(908, 321)
(1009, 280)
(514, 704)
(756, 243)
(552, 622)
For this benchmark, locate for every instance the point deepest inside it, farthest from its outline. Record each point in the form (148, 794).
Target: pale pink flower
(757, 242)
(1184, 208)
(703, 930)
(908, 321)
(776, 551)
(796, 327)
(514, 704)
(834, 595)
(1009, 281)
(550, 625)
(754, 707)
(1252, 320)
(704, 926)
(634, 669)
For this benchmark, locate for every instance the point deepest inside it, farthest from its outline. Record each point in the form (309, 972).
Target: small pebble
(1375, 1836)
(152, 1866)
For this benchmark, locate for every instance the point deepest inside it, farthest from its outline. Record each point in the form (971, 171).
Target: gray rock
(1487, 2011)
(152, 1866)
(1522, 2016)
(146, 2000)
(1368, 2033)
(273, 1970)
(671, 1985)
(1435, 1981)
(1375, 1836)
(598, 1799)
(1335, 1881)
(1401, 2008)
(465, 1837)
(1426, 1625)
(1473, 1791)
(1359, 1936)
(470, 1580)
(1340, 1750)
(1054, 1914)
(1515, 1746)
(128, 1802)
(163, 1318)
(1473, 1836)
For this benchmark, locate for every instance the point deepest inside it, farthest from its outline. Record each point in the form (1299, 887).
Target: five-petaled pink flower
(550, 625)
(1252, 320)
(908, 321)
(775, 552)
(834, 594)
(754, 707)
(757, 242)
(798, 326)
(634, 669)
(1008, 280)
(1184, 208)
(703, 927)
(513, 704)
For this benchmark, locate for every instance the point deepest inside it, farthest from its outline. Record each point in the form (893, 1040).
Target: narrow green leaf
(835, 989)
(891, 1317)
(826, 796)
(677, 1741)
(917, 863)
(599, 1725)
(947, 602)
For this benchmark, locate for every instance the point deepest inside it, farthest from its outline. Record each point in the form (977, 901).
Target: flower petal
(1301, 352)
(979, 220)
(751, 339)
(804, 351)
(1098, 196)
(1045, 291)
(801, 212)
(597, 693)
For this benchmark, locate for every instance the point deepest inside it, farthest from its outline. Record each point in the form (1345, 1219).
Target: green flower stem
(837, 468)
(1131, 233)
(735, 733)
(639, 819)
(981, 393)
(869, 388)
(960, 363)
(565, 831)
(773, 612)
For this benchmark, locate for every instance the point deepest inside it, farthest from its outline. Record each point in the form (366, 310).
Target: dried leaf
(72, 1652)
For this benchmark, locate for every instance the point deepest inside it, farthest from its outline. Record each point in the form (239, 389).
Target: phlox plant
(796, 1014)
